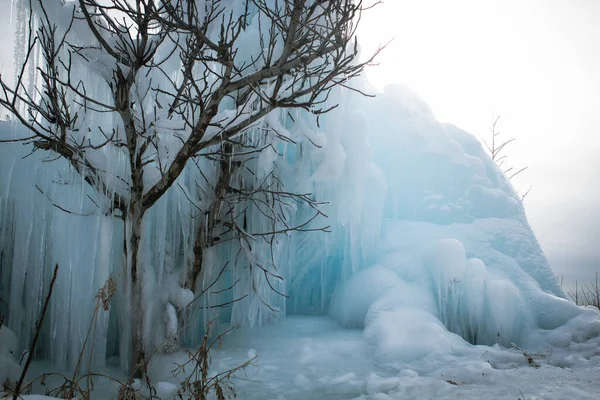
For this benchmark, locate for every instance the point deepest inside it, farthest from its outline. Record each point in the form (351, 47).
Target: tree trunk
(136, 358)
(133, 224)
(133, 312)
(205, 237)
(199, 246)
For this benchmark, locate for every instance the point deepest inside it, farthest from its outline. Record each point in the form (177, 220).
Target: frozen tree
(130, 92)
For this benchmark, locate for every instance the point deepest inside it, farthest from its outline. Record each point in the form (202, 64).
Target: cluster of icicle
(49, 215)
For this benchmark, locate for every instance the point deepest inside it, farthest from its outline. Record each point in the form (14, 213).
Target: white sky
(537, 64)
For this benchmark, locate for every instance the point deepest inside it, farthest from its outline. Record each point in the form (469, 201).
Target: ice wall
(50, 216)
(35, 235)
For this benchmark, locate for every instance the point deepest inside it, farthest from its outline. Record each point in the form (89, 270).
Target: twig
(38, 329)
(528, 356)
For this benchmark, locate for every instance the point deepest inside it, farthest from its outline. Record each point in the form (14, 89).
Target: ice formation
(429, 247)
(426, 235)
(457, 259)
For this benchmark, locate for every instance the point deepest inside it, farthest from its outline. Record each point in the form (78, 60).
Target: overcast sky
(536, 63)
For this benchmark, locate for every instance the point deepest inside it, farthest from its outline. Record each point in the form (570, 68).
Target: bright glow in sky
(537, 64)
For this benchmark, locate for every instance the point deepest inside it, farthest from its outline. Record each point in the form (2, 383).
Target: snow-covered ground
(313, 358)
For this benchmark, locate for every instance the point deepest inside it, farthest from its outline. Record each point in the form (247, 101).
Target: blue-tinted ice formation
(427, 237)
(456, 252)
(429, 244)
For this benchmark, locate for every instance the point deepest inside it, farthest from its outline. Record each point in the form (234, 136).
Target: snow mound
(351, 303)
(10, 370)
(443, 300)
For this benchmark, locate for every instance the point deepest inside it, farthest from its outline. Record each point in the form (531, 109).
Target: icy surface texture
(427, 238)
(440, 174)
(49, 215)
(457, 259)
(419, 200)
(314, 358)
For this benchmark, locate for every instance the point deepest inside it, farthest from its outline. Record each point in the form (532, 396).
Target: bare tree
(588, 295)
(157, 84)
(497, 151)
